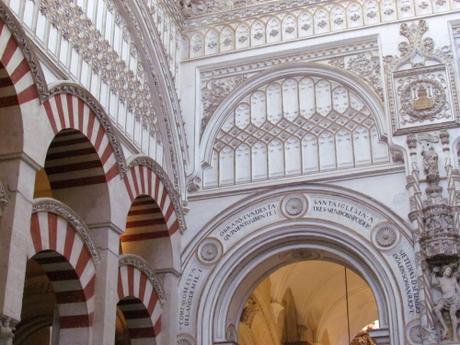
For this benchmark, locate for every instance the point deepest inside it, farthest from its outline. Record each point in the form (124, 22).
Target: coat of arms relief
(421, 83)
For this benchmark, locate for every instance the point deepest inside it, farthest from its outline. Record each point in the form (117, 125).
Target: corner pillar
(106, 298)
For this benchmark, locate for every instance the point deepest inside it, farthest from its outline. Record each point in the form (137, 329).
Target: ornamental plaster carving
(385, 236)
(104, 120)
(56, 207)
(26, 48)
(283, 21)
(294, 206)
(97, 52)
(310, 123)
(172, 192)
(170, 112)
(4, 197)
(421, 83)
(363, 63)
(210, 251)
(143, 266)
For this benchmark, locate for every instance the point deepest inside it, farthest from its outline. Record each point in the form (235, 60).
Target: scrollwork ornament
(143, 266)
(210, 251)
(385, 236)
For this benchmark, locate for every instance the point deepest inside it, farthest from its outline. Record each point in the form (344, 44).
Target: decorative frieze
(283, 21)
(97, 52)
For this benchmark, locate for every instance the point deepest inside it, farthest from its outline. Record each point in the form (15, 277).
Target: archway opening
(54, 305)
(134, 323)
(146, 233)
(312, 302)
(74, 175)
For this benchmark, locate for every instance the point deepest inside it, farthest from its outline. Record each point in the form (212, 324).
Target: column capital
(7, 328)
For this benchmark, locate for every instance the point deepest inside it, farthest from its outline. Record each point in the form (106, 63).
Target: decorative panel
(291, 127)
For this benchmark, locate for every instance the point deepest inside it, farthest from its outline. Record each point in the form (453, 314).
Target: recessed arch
(70, 106)
(306, 70)
(62, 246)
(140, 297)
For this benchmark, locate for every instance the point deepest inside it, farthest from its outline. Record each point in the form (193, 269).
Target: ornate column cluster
(436, 238)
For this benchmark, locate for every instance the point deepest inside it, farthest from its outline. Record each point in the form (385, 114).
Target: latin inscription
(187, 297)
(409, 278)
(342, 209)
(248, 219)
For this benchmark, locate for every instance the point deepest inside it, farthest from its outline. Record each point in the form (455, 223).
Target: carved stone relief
(218, 83)
(7, 328)
(385, 236)
(421, 83)
(4, 197)
(210, 251)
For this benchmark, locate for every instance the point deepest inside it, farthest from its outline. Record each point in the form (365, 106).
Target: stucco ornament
(386, 236)
(294, 206)
(4, 197)
(421, 82)
(449, 301)
(430, 164)
(210, 251)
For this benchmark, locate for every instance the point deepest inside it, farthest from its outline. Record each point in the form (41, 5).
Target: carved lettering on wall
(409, 278)
(186, 297)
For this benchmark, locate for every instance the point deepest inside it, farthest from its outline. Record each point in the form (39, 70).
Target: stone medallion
(385, 236)
(210, 251)
(423, 99)
(414, 332)
(294, 206)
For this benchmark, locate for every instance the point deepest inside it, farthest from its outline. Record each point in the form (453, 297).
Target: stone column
(7, 326)
(105, 310)
(169, 326)
(17, 176)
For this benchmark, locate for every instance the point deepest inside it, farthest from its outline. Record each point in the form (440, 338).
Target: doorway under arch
(311, 302)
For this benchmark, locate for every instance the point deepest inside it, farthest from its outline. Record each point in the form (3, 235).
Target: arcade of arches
(229, 172)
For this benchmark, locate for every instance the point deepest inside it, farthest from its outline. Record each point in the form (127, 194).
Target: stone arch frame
(216, 307)
(55, 228)
(226, 310)
(370, 98)
(146, 177)
(137, 281)
(70, 106)
(26, 65)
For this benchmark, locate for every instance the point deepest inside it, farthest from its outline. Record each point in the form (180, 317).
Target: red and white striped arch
(17, 85)
(140, 305)
(68, 111)
(69, 265)
(141, 180)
